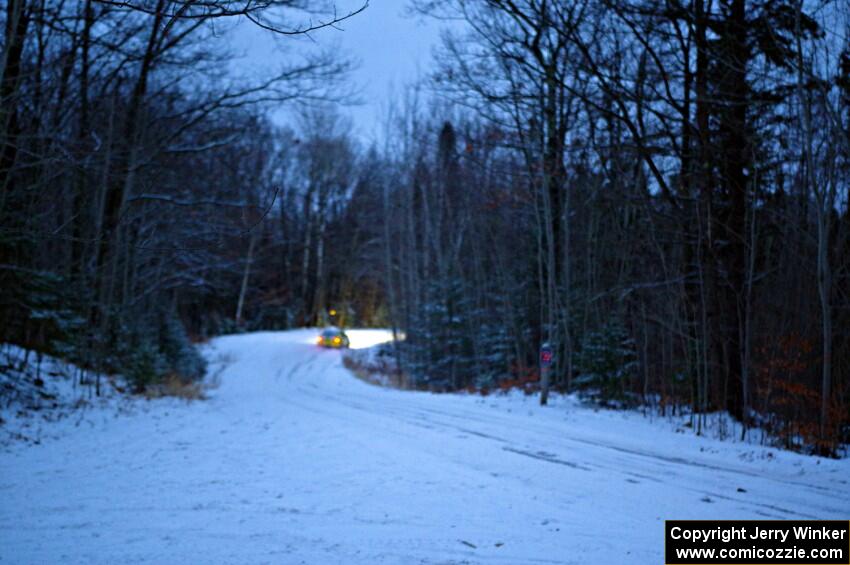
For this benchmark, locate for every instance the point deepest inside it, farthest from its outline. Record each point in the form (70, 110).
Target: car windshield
(331, 333)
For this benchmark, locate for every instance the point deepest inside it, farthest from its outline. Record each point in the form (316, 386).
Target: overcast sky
(393, 50)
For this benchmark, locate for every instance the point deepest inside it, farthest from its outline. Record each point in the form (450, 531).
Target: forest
(658, 189)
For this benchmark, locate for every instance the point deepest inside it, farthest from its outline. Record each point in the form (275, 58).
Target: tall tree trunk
(823, 214)
(320, 308)
(116, 192)
(732, 248)
(243, 288)
(390, 280)
(80, 202)
(17, 22)
(306, 254)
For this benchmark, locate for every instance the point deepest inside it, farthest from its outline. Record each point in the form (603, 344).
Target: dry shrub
(788, 389)
(174, 386)
(381, 373)
(526, 379)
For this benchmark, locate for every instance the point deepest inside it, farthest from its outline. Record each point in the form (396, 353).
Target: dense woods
(136, 175)
(657, 189)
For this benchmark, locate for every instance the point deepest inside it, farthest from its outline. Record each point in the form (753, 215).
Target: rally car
(333, 337)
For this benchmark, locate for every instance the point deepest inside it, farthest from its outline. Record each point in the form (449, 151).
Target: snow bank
(44, 397)
(40, 396)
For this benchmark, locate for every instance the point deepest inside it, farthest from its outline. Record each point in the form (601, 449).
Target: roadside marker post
(547, 356)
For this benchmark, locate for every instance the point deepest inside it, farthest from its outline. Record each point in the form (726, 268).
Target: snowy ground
(292, 460)
(30, 413)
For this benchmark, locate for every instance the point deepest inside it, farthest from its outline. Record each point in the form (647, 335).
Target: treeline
(138, 176)
(657, 189)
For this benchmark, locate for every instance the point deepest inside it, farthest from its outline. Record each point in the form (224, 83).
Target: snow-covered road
(293, 460)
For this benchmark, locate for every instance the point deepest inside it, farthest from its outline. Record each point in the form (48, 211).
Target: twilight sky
(392, 49)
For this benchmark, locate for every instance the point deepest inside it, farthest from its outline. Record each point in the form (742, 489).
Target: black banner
(757, 542)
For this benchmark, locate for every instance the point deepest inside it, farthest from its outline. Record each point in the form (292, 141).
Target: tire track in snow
(563, 435)
(413, 413)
